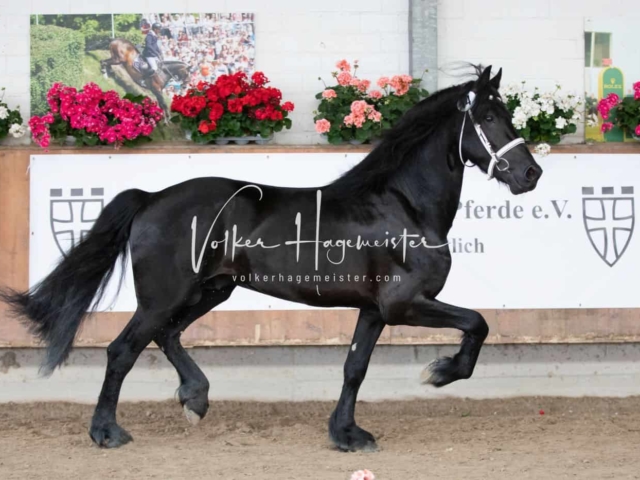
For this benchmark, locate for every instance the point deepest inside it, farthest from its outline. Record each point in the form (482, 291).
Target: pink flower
(374, 116)
(638, 131)
(361, 111)
(606, 104)
(323, 126)
(355, 82)
(359, 107)
(606, 126)
(348, 120)
(375, 94)
(363, 475)
(401, 84)
(344, 66)
(364, 85)
(329, 94)
(344, 78)
(383, 82)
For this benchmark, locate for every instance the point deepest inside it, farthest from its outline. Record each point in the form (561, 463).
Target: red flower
(203, 127)
(193, 106)
(235, 105)
(212, 94)
(259, 79)
(216, 111)
(288, 106)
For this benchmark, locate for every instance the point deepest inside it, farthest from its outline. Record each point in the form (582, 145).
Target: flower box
(233, 109)
(91, 116)
(351, 112)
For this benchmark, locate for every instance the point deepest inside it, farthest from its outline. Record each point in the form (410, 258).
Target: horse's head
(489, 140)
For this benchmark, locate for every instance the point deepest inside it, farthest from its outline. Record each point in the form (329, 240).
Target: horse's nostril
(531, 174)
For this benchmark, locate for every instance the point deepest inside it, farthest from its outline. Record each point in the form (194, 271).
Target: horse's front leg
(426, 312)
(343, 431)
(105, 64)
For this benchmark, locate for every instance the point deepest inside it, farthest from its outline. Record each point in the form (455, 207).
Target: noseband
(496, 157)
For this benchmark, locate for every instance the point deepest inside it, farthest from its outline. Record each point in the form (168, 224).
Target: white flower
(592, 120)
(4, 113)
(543, 149)
(561, 122)
(519, 118)
(530, 107)
(16, 130)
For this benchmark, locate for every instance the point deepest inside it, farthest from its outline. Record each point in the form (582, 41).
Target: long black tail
(54, 309)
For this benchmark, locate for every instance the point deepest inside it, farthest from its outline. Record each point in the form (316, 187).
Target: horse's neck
(431, 184)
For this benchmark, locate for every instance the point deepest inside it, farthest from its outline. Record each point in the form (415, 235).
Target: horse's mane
(397, 145)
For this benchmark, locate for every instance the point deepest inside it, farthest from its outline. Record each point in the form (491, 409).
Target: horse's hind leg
(426, 312)
(343, 431)
(121, 355)
(194, 386)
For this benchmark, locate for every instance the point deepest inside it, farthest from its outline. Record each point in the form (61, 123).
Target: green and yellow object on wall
(611, 80)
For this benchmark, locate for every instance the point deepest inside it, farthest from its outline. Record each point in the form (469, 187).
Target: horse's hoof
(192, 417)
(440, 372)
(353, 439)
(110, 435)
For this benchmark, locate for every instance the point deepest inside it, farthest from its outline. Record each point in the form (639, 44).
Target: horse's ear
(483, 80)
(495, 81)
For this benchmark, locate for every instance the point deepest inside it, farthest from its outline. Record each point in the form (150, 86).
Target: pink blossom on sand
(363, 475)
(323, 126)
(329, 94)
(375, 94)
(344, 66)
(383, 82)
(344, 78)
(606, 126)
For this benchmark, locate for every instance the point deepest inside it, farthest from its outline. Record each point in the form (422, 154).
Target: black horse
(375, 240)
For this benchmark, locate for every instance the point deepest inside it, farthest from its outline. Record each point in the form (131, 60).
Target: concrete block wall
(540, 41)
(296, 42)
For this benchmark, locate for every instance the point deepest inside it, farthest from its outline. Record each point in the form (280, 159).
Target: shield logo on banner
(73, 215)
(609, 220)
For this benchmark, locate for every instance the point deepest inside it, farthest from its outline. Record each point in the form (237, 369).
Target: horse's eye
(489, 118)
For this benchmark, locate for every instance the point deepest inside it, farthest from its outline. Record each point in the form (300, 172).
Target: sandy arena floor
(441, 439)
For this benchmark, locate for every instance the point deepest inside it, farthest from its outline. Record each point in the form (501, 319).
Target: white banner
(568, 244)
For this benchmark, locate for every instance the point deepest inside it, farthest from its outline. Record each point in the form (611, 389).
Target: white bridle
(496, 157)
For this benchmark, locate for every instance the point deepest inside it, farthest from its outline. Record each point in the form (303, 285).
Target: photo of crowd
(211, 44)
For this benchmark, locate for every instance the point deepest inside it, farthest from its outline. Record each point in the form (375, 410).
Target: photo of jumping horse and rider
(152, 54)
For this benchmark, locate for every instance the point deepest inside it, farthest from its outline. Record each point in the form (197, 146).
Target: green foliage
(100, 40)
(231, 125)
(627, 115)
(56, 56)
